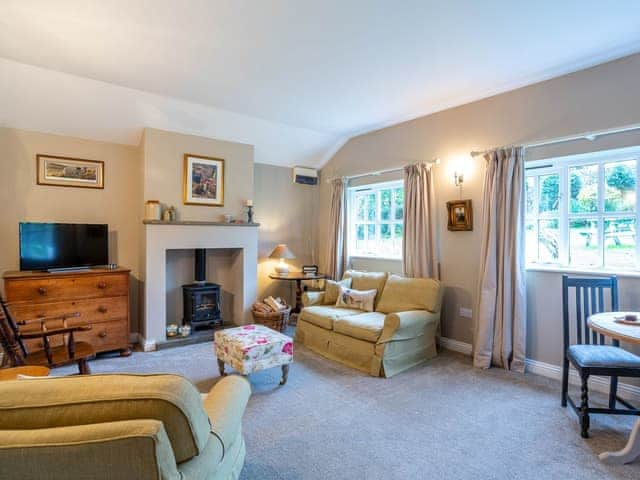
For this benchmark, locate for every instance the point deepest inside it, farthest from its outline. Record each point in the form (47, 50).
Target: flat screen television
(55, 246)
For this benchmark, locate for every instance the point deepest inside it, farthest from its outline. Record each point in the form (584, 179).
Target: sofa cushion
(332, 290)
(367, 281)
(360, 299)
(324, 315)
(87, 399)
(402, 294)
(123, 450)
(365, 326)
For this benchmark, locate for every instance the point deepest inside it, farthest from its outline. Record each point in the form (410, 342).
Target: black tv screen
(48, 246)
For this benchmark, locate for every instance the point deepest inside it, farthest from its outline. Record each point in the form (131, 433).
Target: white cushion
(360, 299)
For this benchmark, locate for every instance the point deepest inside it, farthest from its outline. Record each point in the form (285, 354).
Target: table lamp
(281, 252)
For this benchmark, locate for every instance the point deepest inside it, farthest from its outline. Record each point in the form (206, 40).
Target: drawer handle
(42, 290)
(102, 334)
(102, 309)
(102, 285)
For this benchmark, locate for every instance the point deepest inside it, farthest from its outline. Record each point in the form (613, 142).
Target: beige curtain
(336, 257)
(501, 301)
(418, 243)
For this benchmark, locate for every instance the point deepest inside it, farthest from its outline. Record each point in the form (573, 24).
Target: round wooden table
(297, 277)
(605, 323)
(27, 370)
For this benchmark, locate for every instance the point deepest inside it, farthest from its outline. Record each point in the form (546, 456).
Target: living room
(422, 201)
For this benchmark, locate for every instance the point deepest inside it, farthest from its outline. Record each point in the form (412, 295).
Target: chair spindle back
(589, 300)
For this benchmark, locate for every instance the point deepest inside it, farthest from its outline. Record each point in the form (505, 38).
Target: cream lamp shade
(282, 252)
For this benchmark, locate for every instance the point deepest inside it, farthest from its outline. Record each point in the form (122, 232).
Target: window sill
(374, 257)
(553, 269)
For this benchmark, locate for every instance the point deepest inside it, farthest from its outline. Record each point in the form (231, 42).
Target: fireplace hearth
(201, 299)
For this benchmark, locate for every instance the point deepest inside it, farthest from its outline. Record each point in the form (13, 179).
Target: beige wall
(118, 204)
(287, 213)
(603, 97)
(164, 172)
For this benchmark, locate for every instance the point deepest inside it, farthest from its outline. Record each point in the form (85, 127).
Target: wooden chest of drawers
(100, 296)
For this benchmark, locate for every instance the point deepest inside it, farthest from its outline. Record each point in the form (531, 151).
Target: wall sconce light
(459, 178)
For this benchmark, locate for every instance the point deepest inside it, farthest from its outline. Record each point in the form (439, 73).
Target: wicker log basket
(276, 320)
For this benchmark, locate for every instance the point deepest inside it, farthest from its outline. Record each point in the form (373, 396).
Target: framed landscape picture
(460, 215)
(203, 180)
(69, 172)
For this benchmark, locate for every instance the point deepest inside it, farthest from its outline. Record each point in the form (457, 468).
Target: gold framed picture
(69, 172)
(203, 180)
(460, 215)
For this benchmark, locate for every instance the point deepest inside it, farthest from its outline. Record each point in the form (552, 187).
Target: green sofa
(398, 335)
(121, 426)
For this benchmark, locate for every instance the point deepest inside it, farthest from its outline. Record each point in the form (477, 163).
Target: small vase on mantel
(152, 210)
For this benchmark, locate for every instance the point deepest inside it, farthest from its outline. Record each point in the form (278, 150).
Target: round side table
(605, 323)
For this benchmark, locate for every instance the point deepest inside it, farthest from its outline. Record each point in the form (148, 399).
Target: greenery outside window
(375, 220)
(582, 211)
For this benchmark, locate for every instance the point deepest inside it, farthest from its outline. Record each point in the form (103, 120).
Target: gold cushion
(402, 294)
(332, 290)
(365, 326)
(100, 451)
(367, 281)
(82, 400)
(323, 316)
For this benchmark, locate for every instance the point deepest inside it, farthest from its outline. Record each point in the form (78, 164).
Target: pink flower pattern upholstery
(253, 347)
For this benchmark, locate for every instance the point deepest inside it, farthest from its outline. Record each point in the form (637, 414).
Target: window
(582, 211)
(375, 220)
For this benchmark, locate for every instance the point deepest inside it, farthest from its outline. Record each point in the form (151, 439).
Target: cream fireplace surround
(162, 236)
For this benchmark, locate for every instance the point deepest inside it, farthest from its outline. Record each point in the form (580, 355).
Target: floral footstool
(253, 347)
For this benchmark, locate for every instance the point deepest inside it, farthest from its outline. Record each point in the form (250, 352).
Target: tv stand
(99, 295)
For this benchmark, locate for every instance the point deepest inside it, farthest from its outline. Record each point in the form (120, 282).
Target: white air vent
(305, 176)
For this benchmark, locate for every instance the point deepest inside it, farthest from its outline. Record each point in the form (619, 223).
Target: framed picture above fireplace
(203, 180)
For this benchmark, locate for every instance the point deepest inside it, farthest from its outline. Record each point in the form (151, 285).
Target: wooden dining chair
(588, 351)
(67, 352)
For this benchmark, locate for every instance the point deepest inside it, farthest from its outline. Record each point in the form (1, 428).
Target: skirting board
(455, 345)
(147, 345)
(600, 384)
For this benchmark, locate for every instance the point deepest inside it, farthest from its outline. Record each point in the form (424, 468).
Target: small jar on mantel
(152, 210)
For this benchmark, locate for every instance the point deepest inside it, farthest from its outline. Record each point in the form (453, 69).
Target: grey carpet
(441, 420)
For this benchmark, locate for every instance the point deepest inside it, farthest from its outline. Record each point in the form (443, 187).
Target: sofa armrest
(312, 298)
(407, 325)
(225, 405)
(123, 449)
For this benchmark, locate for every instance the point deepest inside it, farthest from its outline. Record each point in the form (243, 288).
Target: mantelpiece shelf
(199, 222)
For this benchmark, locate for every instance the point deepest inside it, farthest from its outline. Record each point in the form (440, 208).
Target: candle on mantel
(248, 203)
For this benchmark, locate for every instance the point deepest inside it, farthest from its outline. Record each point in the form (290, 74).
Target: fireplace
(201, 299)
(239, 279)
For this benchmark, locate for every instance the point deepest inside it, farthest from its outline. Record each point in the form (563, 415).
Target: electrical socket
(466, 312)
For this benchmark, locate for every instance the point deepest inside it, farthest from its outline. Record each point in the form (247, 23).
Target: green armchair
(121, 426)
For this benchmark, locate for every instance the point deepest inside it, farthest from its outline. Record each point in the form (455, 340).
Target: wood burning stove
(201, 300)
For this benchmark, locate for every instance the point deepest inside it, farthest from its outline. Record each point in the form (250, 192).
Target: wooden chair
(70, 351)
(589, 354)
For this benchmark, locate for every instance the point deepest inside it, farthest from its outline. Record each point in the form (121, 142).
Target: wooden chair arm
(56, 331)
(46, 319)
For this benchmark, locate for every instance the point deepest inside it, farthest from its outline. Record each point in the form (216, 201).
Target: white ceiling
(332, 67)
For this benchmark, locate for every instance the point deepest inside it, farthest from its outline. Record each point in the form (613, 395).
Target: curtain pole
(591, 136)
